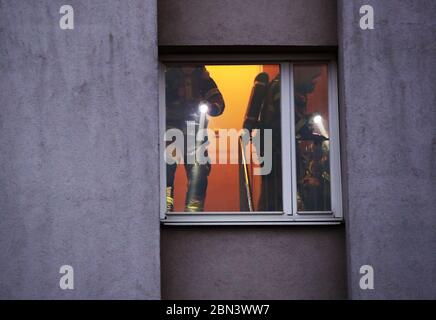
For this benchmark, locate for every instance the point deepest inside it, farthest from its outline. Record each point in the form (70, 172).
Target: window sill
(188, 219)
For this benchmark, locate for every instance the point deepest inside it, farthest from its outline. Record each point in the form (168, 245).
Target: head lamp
(203, 107)
(317, 119)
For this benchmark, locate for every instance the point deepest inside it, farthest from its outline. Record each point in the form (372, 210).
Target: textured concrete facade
(247, 22)
(78, 141)
(79, 165)
(388, 81)
(253, 263)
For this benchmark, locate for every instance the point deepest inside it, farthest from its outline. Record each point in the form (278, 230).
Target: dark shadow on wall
(264, 262)
(214, 50)
(247, 22)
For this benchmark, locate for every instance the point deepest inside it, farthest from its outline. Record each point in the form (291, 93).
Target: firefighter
(263, 112)
(313, 178)
(188, 88)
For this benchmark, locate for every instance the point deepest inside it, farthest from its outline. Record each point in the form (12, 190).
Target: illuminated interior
(235, 83)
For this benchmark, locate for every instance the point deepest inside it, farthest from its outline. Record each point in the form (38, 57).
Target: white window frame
(290, 215)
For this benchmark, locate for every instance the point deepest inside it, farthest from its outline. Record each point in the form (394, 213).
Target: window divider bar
(335, 155)
(286, 110)
(292, 145)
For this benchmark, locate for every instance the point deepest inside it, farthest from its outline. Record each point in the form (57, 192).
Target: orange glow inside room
(235, 83)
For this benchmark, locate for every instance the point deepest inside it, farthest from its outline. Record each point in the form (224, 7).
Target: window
(249, 140)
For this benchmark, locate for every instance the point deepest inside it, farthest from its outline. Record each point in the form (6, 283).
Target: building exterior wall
(251, 262)
(388, 81)
(78, 141)
(80, 168)
(247, 22)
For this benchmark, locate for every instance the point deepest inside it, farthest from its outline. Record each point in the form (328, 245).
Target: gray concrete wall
(253, 263)
(78, 122)
(247, 22)
(388, 81)
(78, 141)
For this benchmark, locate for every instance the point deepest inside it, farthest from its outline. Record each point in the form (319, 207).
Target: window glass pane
(223, 146)
(312, 137)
